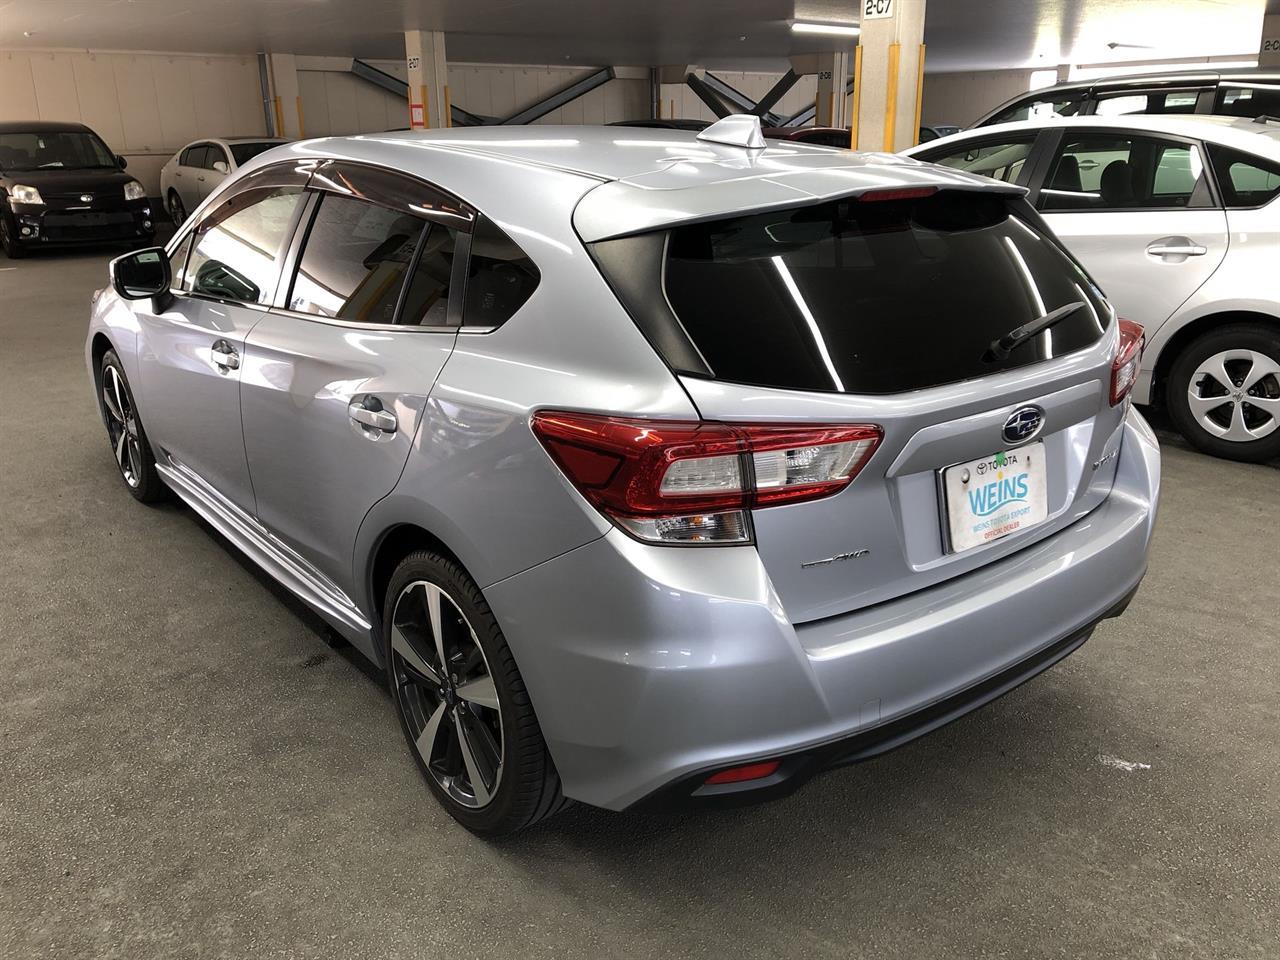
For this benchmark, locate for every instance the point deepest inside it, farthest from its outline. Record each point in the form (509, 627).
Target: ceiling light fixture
(827, 29)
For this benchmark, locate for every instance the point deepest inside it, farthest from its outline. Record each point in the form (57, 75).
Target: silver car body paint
(1166, 295)
(643, 662)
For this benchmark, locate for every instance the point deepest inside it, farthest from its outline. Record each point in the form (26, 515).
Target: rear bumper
(650, 667)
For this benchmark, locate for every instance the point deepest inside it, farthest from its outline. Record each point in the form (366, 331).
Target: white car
(1177, 218)
(199, 168)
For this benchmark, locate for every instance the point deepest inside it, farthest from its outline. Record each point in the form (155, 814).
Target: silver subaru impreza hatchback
(655, 470)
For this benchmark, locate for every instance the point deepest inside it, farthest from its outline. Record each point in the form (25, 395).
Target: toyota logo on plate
(1023, 424)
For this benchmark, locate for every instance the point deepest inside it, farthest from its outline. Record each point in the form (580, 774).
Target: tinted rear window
(874, 296)
(244, 152)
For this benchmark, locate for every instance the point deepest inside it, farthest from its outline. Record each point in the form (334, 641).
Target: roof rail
(735, 130)
(1264, 118)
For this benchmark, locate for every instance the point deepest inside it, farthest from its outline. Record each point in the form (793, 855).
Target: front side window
(355, 260)
(237, 248)
(1000, 160)
(60, 150)
(500, 277)
(1107, 171)
(1245, 180)
(874, 296)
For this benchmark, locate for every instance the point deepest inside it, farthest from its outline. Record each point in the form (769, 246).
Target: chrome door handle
(1176, 247)
(224, 356)
(383, 420)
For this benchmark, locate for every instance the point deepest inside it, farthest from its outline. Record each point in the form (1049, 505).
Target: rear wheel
(462, 703)
(129, 446)
(177, 210)
(1224, 393)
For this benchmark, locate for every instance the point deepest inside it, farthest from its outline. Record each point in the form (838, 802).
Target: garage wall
(144, 105)
(684, 102)
(965, 97)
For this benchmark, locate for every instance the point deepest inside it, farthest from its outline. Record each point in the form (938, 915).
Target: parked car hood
(54, 180)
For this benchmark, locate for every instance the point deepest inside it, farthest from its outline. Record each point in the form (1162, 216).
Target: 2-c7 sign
(877, 9)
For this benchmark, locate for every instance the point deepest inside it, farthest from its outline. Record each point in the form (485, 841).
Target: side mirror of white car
(221, 166)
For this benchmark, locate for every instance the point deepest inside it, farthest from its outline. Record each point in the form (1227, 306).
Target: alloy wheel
(177, 212)
(1235, 395)
(446, 693)
(122, 426)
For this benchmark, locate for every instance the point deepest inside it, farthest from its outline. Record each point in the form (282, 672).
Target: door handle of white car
(224, 356)
(1176, 247)
(383, 420)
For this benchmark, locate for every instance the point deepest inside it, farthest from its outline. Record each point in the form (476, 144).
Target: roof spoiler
(735, 130)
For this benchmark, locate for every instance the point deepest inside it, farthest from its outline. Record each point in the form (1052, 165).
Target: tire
(1245, 424)
(129, 445)
(496, 719)
(177, 210)
(12, 246)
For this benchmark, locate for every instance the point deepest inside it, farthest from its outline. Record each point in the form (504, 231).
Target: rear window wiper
(1003, 346)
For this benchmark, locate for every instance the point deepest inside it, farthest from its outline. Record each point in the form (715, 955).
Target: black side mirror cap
(141, 274)
(122, 161)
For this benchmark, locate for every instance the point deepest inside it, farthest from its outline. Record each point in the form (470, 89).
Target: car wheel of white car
(177, 211)
(1224, 393)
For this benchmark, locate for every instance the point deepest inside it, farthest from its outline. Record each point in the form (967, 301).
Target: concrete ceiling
(961, 34)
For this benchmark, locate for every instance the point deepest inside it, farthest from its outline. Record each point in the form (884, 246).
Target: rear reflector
(693, 482)
(1128, 360)
(752, 771)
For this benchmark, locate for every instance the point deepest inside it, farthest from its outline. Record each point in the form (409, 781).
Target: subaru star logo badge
(1023, 425)
(86, 198)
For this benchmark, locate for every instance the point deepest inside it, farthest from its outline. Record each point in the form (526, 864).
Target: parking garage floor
(187, 770)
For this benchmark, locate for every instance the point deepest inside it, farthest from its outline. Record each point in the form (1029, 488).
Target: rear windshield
(244, 152)
(875, 296)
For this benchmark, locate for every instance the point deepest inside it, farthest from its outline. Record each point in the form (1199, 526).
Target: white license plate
(994, 496)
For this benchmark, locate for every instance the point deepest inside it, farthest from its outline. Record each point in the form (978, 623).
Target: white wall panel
(17, 88)
(138, 103)
(55, 82)
(100, 105)
(175, 101)
(962, 98)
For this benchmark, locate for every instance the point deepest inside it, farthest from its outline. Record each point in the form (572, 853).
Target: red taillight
(692, 482)
(1124, 368)
(897, 193)
(752, 771)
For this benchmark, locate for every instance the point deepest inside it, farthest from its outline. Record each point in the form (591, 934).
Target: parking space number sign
(877, 9)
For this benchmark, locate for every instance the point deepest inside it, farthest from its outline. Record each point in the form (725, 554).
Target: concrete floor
(186, 770)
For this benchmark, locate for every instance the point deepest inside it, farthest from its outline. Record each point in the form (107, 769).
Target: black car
(60, 184)
(1248, 92)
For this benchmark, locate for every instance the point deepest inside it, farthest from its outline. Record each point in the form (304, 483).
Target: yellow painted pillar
(889, 75)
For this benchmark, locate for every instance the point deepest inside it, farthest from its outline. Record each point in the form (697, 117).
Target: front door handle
(224, 356)
(374, 417)
(1176, 247)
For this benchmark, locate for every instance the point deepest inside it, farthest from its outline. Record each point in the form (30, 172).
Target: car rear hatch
(885, 308)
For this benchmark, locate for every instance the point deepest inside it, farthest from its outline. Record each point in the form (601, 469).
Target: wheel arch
(1187, 334)
(392, 546)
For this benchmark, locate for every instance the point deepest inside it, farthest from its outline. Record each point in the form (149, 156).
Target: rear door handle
(378, 419)
(224, 356)
(1176, 247)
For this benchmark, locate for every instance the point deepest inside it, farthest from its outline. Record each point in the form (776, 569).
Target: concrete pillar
(888, 75)
(1269, 50)
(832, 107)
(428, 79)
(286, 99)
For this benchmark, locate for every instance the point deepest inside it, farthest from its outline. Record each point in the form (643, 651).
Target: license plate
(994, 496)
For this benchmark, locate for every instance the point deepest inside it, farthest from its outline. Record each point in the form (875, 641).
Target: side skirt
(298, 577)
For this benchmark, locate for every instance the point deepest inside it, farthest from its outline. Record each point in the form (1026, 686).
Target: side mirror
(221, 166)
(142, 274)
(122, 161)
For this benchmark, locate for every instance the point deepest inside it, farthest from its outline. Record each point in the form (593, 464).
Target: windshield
(60, 150)
(244, 152)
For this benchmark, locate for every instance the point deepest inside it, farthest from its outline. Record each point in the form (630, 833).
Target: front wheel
(177, 211)
(129, 445)
(1224, 393)
(462, 703)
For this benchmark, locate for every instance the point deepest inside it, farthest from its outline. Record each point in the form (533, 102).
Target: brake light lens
(686, 482)
(752, 771)
(897, 193)
(1124, 368)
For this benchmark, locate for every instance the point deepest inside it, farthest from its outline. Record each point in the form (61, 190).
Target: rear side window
(500, 277)
(1245, 180)
(238, 248)
(1158, 101)
(244, 152)
(355, 260)
(1119, 172)
(874, 296)
(1248, 101)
